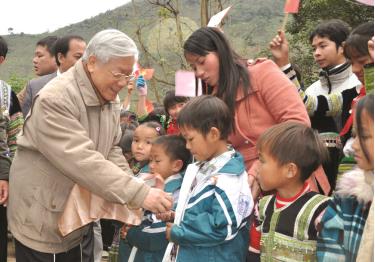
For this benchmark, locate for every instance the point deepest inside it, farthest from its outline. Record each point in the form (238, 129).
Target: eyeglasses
(120, 76)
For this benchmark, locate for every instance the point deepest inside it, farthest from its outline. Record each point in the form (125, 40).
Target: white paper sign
(216, 19)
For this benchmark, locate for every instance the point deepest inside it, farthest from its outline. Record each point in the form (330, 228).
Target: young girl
(344, 221)
(285, 228)
(143, 137)
(173, 105)
(215, 200)
(147, 242)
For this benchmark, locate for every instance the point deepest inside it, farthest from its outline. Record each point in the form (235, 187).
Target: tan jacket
(68, 138)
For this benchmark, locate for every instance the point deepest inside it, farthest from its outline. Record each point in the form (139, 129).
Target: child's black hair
(335, 30)
(156, 126)
(175, 148)
(356, 43)
(126, 141)
(294, 142)
(170, 99)
(204, 112)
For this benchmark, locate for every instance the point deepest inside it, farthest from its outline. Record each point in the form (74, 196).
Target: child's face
(358, 63)
(201, 147)
(326, 53)
(271, 175)
(142, 142)
(368, 142)
(161, 163)
(175, 109)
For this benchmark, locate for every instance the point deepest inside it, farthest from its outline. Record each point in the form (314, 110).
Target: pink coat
(273, 99)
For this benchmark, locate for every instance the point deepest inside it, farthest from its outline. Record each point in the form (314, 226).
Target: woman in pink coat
(259, 94)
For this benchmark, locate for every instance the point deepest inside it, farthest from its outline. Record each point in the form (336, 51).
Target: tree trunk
(204, 13)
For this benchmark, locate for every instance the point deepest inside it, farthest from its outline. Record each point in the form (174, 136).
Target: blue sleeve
(330, 246)
(206, 228)
(149, 238)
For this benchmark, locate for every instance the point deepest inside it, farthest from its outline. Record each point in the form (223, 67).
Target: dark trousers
(3, 234)
(25, 254)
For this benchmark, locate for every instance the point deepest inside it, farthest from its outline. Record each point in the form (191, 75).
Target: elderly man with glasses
(71, 137)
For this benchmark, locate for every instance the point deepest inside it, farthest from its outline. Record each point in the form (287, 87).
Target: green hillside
(250, 26)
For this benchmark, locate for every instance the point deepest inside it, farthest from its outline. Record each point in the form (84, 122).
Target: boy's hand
(124, 231)
(168, 230)
(166, 216)
(280, 49)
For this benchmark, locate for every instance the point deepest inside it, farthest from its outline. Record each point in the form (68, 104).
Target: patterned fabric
(11, 110)
(4, 151)
(329, 105)
(343, 224)
(345, 217)
(289, 233)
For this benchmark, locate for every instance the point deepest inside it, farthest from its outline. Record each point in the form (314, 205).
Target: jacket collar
(333, 77)
(358, 184)
(86, 87)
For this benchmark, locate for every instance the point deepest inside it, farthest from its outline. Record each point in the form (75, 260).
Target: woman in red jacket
(259, 95)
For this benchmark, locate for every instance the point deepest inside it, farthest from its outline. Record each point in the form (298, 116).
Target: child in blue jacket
(215, 199)
(147, 242)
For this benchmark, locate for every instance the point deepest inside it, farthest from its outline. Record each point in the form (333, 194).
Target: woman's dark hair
(365, 103)
(175, 148)
(335, 30)
(232, 68)
(170, 99)
(356, 43)
(204, 112)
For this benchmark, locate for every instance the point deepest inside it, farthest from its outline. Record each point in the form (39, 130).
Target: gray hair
(110, 43)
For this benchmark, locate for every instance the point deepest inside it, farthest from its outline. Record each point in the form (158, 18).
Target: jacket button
(246, 142)
(53, 206)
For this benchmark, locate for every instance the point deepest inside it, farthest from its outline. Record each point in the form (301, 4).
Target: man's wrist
(282, 63)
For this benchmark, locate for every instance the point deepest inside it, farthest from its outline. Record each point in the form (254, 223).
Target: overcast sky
(39, 16)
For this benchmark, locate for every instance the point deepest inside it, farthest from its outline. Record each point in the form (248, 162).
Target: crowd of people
(257, 168)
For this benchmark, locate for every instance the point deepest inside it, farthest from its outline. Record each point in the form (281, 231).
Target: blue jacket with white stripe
(213, 226)
(148, 241)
